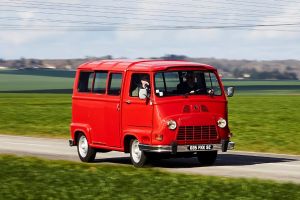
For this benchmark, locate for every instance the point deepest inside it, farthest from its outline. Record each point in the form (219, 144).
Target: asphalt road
(277, 167)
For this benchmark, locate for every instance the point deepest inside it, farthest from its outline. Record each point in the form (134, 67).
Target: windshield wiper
(191, 92)
(209, 91)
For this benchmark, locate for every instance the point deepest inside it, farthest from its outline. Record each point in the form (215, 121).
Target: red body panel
(107, 119)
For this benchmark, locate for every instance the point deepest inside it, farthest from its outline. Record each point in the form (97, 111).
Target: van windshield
(190, 82)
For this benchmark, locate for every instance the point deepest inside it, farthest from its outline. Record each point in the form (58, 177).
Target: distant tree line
(239, 72)
(249, 69)
(274, 74)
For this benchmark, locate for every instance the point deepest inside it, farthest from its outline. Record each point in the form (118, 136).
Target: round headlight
(222, 123)
(172, 124)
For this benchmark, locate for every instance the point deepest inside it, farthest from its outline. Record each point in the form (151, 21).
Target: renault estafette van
(150, 108)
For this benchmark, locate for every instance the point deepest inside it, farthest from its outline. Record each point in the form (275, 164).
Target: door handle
(118, 107)
(128, 101)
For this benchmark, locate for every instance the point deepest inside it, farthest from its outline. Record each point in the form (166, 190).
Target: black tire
(137, 157)
(85, 152)
(207, 158)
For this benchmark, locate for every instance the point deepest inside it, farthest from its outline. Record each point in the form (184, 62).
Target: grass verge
(32, 178)
(47, 115)
(267, 123)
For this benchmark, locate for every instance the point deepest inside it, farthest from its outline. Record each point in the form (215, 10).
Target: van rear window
(85, 82)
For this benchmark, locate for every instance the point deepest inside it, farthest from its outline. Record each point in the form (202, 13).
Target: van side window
(100, 82)
(136, 84)
(85, 81)
(114, 86)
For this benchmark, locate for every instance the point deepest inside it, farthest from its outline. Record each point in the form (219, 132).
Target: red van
(150, 109)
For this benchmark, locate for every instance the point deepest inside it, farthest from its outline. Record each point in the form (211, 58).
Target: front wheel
(138, 157)
(85, 151)
(207, 158)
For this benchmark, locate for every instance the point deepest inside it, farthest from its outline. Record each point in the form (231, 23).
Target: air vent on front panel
(186, 109)
(204, 108)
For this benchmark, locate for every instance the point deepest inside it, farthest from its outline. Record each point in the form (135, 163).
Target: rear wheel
(207, 158)
(85, 151)
(138, 157)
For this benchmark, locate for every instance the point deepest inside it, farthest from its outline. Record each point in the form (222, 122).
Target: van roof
(140, 65)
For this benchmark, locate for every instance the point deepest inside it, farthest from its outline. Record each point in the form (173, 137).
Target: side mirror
(230, 91)
(143, 93)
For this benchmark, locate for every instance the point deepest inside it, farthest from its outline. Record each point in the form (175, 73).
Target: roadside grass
(32, 178)
(47, 115)
(265, 123)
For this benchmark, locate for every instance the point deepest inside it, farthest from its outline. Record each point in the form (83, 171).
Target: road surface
(231, 164)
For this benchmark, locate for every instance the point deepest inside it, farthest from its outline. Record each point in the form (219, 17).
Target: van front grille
(197, 133)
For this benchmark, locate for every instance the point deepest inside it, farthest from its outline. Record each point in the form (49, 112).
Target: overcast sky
(199, 28)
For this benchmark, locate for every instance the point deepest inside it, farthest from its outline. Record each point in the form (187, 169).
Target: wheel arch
(126, 142)
(77, 128)
(76, 134)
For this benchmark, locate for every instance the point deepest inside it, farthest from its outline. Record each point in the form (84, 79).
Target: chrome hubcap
(83, 146)
(135, 151)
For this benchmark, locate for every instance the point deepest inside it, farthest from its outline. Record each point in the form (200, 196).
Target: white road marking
(29, 144)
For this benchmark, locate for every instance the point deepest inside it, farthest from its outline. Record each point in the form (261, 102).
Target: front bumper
(174, 148)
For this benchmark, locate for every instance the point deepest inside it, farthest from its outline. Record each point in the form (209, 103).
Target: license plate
(202, 147)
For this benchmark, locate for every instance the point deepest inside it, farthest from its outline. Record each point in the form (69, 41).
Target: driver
(144, 84)
(189, 85)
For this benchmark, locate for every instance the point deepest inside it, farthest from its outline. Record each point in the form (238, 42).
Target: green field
(12, 82)
(261, 87)
(62, 81)
(264, 115)
(266, 123)
(260, 82)
(32, 178)
(35, 114)
(259, 123)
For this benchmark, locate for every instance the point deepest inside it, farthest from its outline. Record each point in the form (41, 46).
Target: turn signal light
(159, 137)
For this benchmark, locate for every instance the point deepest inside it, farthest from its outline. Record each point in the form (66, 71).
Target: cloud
(163, 15)
(19, 37)
(192, 42)
(288, 15)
